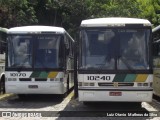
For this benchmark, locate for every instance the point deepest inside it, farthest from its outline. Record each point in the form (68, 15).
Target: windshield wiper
(126, 63)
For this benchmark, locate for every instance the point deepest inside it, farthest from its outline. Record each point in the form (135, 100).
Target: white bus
(114, 60)
(3, 36)
(156, 60)
(39, 60)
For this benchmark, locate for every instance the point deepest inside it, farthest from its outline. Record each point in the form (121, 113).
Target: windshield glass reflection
(36, 51)
(20, 51)
(111, 49)
(46, 52)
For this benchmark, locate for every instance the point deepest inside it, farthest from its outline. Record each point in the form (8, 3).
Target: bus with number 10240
(156, 60)
(115, 60)
(39, 60)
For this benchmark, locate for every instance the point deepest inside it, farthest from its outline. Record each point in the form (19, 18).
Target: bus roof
(113, 21)
(36, 29)
(156, 29)
(3, 29)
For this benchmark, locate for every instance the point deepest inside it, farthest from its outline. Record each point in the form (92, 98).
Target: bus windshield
(37, 51)
(112, 49)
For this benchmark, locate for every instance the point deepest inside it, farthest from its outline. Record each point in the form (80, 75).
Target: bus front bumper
(117, 95)
(35, 88)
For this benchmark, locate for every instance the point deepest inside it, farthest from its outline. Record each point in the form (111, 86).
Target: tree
(67, 14)
(16, 13)
(149, 10)
(113, 8)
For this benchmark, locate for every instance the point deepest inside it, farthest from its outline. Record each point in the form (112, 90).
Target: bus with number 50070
(115, 60)
(39, 60)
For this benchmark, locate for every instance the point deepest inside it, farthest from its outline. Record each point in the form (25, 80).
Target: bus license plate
(115, 93)
(33, 86)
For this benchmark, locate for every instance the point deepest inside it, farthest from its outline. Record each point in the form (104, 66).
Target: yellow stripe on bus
(52, 74)
(141, 78)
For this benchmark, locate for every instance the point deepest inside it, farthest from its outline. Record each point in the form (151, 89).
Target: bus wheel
(67, 85)
(22, 96)
(2, 85)
(86, 103)
(67, 89)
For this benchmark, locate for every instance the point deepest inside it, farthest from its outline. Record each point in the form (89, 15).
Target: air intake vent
(24, 79)
(119, 84)
(40, 79)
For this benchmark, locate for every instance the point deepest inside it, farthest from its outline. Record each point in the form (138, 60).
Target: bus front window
(20, 51)
(133, 49)
(47, 50)
(98, 49)
(114, 49)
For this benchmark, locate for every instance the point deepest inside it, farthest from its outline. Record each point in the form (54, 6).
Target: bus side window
(71, 49)
(156, 49)
(2, 42)
(61, 53)
(67, 45)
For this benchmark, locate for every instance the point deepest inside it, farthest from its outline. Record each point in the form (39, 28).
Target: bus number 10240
(98, 78)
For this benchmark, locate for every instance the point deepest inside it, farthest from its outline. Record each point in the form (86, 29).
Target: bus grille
(24, 79)
(40, 79)
(113, 84)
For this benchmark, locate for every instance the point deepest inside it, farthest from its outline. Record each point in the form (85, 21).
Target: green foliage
(69, 13)
(149, 10)
(117, 8)
(16, 13)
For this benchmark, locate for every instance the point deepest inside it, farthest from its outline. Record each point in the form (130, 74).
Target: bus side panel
(156, 82)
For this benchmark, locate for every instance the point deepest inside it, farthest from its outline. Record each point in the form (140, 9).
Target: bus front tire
(2, 85)
(21, 96)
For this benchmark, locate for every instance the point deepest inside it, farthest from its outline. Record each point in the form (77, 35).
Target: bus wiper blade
(126, 64)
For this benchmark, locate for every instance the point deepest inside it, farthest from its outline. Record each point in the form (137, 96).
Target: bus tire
(67, 91)
(86, 103)
(22, 96)
(2, 85)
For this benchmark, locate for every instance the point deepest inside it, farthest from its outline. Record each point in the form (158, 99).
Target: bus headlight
(91, 84)
(12, 79)
(145, 84)
(85, 84)
(57, 79)
(139, 84)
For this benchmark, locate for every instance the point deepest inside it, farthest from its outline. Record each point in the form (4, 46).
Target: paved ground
(55, 107)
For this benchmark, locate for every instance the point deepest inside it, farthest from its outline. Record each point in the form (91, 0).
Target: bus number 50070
(98, 77)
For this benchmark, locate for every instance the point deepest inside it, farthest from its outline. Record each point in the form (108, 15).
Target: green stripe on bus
(119, 78)
(43, 75)
(130, 78)
(35, 74)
